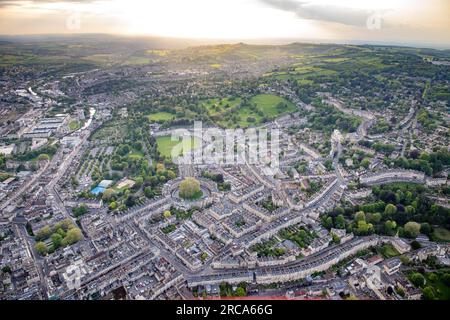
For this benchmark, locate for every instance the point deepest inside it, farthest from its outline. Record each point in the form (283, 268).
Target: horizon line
(251, 41)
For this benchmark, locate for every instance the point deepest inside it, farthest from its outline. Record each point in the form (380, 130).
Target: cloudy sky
(401, 21)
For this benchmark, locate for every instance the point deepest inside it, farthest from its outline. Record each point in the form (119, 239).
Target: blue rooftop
(97, 190)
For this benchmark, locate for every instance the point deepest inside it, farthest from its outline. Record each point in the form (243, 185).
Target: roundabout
(187, 195)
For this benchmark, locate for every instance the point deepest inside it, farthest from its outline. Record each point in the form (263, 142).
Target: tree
(391, 225)
(171, 175)
(365, 163)
(416, 245)
(130, 201)
(328, 223)
(190, 189)
(376, 217)
(43, 157)
(340, 222)
(6, 269)
(417, 279)
(73, 236)
(79, 210)
(44, 233)
(410, 210)
(360, 216)
(113, 205)
(446, 279)
(240, 292)
(41, 248)
(425, 228)
(390, 209)
(56, 240)
(428, 293)
(160, 167)
(364, 228)
(148, 192)
(336, 238)
(167, 214)
(412, 229)
(108, 194)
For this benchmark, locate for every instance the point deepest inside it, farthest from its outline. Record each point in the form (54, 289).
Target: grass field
(165, 145)
(74, 125)
(442, 291)
(217, 106)
(136, 155)
(388, 251)
(336, 60)
(161, 116)
(4, 176)
(442, 234)
(266, 107)
(267, 103)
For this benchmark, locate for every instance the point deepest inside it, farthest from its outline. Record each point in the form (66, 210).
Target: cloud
(327, 13)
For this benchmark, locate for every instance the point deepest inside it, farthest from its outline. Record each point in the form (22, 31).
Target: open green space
(388, 251)
(74, 125)
(441, 234)
(217, 106)
(269, 103)
(235, 112)
(165, 145)
(161, 116)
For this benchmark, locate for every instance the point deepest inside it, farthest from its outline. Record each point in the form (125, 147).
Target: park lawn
(388, 251)
(267, 103)
(161, 116)
(165, 145)
(441, 290)
(74, 125)
(135, 155)
(244, 114)
(442, 234)
(4, 176)
(217, 106)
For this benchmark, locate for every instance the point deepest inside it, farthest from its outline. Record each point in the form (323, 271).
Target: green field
(388, 251)
(217, 106)
(4, 176)
(267, 105)
(165, 145)
(161, 116)
(135, 155)
(74, 125)
(441, 234)
(441, 290)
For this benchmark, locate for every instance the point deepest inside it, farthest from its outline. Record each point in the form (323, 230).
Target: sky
(397, 21)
